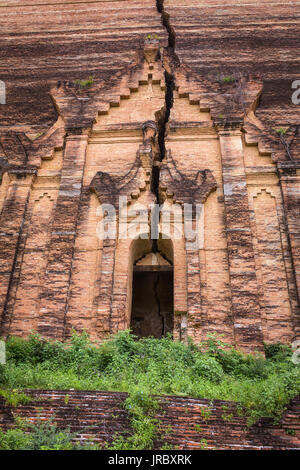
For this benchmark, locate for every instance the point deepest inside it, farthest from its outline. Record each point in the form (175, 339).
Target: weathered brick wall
(214, 145)
(189, 423)
(43, 42)
(245, 37)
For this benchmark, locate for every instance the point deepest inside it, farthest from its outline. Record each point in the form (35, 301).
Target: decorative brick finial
(149, 132)
(151, 48)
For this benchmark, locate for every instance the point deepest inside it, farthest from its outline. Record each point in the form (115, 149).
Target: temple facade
(163, 203)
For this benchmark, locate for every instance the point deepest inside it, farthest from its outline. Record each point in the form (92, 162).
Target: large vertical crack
(169, 61)
(166, 22)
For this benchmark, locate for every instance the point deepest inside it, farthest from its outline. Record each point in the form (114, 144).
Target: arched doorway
(152, 312)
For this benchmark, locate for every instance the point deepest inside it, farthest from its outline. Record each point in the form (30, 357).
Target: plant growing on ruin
(167, 446)
(290, 432)
(41, 435)
(205, 414)
(198, 428)
(66, 399)
(37, 136)
(287, 134)
(227, 417)
(228, 79)
(220, 75)
(141, 407)
(281, 131)
(203, 445)
(152, 37)
(14, 397)
(85, 83)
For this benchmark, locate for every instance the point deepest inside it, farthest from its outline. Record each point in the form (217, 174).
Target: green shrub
(14, 439)
(278, 351)
(208, 368)
(141, 407)
(228, 79)
(14, 397)
(21, 350)
(281, 131)
(238, 364)
(147, 367)
(85, 83)
(43, 435)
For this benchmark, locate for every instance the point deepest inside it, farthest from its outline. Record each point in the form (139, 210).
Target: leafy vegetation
(151, 366)
(281, 131)
(85, 83)
(291, 432)
(14, 397)
(228, 79)
(43, 435)
(152, 36)
(141, 407)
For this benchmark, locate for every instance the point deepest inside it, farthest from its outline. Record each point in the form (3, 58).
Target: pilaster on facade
(55, 293)
(243, 279)
(289, 179)
(12, 219)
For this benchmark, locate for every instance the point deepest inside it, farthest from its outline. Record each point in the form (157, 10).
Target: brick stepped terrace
(189, 423)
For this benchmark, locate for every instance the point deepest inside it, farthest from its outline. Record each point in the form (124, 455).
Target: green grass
(156, 367)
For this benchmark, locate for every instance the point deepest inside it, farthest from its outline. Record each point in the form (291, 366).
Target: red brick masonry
(190, 422)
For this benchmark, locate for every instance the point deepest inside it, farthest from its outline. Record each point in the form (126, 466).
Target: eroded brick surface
(186, 423)
(156, 123)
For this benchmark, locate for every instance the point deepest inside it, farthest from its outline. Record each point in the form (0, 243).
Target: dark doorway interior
(152, 301)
